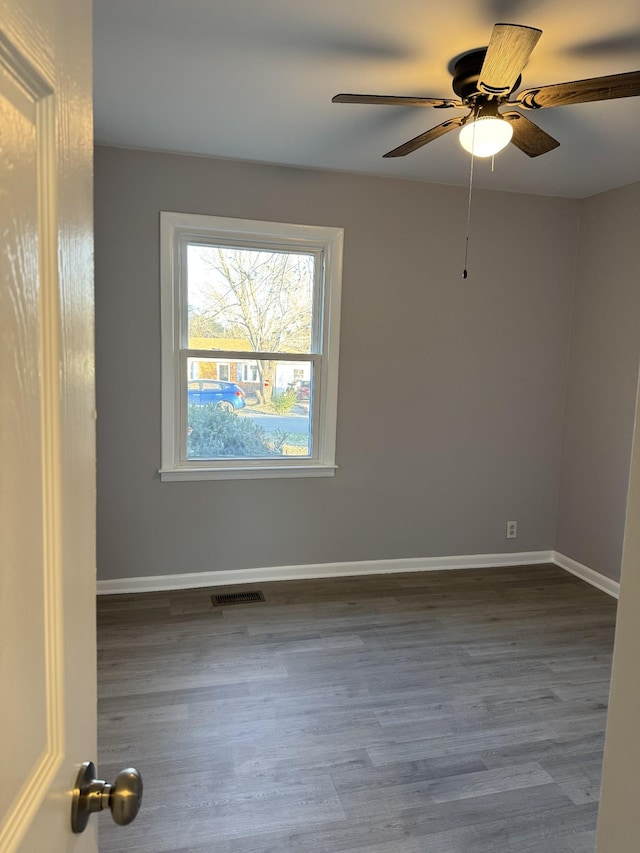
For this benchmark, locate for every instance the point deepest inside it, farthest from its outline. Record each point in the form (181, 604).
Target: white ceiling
(253, 80)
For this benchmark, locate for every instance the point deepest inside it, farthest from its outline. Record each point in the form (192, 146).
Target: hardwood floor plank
(395, 797)
(578, 842)
(514, 835)
(577, 775)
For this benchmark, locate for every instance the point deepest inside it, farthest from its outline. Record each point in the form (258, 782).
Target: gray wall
(602, 382)
(451, 392)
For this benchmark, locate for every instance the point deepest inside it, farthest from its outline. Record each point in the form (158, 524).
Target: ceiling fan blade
(394, 100)
(581, 91)
(429, 136)
(510, 47)
(528, 137)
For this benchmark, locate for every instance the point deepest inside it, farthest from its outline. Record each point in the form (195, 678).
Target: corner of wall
(567, 363)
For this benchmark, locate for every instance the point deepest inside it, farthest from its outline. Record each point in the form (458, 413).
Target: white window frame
(176, 231)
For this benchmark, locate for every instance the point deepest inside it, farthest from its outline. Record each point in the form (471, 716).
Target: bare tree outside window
(262, 299)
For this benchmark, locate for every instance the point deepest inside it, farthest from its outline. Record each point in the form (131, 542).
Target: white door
(47, 457)
(619, 818)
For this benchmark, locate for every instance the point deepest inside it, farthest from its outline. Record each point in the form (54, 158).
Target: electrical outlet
(512, 529)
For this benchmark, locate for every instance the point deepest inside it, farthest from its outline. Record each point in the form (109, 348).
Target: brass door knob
(91, 795)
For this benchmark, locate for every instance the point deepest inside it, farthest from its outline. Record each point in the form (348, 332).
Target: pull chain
(466, 246)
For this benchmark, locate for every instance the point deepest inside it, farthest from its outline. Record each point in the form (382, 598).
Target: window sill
(262, 473)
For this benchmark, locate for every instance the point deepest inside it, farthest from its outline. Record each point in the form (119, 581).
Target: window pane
(263, 410)
(244, 299)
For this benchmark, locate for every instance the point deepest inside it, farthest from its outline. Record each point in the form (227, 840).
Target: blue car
(225, 395)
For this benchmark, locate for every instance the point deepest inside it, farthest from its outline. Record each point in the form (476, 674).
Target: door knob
(90, 795)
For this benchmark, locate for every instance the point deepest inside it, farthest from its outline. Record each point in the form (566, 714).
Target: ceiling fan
(484, 80)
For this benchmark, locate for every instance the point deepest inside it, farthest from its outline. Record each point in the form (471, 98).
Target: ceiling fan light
(486, 136)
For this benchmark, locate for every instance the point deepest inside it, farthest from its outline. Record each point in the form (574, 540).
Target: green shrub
(277, 440)
(283, 403)
(214, 432)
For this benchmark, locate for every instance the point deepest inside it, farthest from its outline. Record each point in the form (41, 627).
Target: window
(247, 372)
(250, 329)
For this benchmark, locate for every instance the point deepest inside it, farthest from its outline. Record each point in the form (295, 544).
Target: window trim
(175, 230)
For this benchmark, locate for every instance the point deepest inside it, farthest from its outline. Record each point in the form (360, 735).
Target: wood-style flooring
(448, 712)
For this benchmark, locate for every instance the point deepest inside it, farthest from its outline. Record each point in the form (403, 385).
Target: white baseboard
(596, 579)
(194, 580)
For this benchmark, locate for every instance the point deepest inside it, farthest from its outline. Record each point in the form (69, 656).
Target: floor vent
(237, 598)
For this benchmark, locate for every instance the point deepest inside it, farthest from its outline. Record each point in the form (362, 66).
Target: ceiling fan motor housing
(466, 73)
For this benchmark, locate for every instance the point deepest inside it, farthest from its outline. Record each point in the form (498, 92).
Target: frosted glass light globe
(486, 136)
